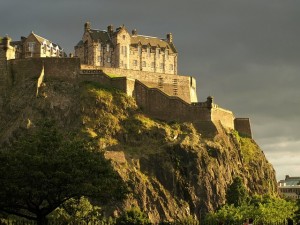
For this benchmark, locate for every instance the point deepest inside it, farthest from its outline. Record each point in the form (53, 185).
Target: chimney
(6, 42)
(87, 26)
(134, 32)
(110, 29)
(170, 37)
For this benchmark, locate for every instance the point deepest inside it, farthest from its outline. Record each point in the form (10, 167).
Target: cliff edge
(173, 169)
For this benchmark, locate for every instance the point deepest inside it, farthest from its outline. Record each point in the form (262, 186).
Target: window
(135, 62)
(100, 59)
(152, 65)
(123, 37)
(108, 59)
(148, 52)
(171, 67)
(157, 52)
(107, 47)
(31, 46)
(122, 50)
(144, 64)
(161, 66)
(45, 48)
(139, 50)
(125, 51)
(167, 54)
(122, 63)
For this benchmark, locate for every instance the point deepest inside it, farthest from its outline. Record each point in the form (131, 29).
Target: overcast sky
(243, 52)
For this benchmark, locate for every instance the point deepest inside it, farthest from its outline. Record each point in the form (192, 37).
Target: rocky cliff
(173, 170)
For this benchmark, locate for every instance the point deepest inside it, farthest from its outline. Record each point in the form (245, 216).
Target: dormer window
(123, 37)
(139, 50)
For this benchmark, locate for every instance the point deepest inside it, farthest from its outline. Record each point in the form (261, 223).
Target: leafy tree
(266, 209)
(44, 169)
(236, 193)
(76, 211)
(134, 216)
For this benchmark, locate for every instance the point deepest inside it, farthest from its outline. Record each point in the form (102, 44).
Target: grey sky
(243, 52)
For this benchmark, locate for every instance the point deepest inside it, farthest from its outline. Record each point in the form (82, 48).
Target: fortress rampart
(173, 85)
(143, 86)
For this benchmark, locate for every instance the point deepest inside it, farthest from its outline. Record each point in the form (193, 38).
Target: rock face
(173, 171)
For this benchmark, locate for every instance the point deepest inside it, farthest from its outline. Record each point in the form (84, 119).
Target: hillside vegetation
(172, 171)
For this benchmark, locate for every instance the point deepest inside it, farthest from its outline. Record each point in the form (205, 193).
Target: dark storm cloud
(244, 53)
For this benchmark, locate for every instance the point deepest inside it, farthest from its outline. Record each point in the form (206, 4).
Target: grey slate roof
(100, 35)
(153, 41)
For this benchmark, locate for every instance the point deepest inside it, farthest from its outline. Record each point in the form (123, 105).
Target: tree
(134, 216)
(263, 209)
(77, 211)
(236, 193)
(45, 168)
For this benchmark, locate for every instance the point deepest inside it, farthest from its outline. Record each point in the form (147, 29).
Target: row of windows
(100, 47)
(124, 50)
(135, 63)
(31, 46)
(157, 52)
(100, 59)
(152, 64)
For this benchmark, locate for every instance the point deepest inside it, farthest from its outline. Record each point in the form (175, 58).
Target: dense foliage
(236, 193)
(134, 216)
(44, 169)
(266, 209)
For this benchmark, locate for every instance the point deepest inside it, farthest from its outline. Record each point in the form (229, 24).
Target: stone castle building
(121, 49)
(143, 67)
(32, 46)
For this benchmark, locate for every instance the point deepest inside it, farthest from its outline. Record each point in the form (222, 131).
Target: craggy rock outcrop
(173, 170)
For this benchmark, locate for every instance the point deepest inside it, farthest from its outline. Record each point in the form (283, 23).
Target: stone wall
(58, 68)
(226, 117)
(183, 87)
(243, 126)
(152, 100)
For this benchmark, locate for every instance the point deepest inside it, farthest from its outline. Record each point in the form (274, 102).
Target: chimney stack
(110, 29)
(170, 37)
(134, 32)
(87, 26)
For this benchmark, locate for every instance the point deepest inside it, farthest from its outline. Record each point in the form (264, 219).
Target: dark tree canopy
(45, 168)
(236, 193)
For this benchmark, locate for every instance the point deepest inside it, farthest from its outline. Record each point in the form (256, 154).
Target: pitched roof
(100, 35)
(41, 40)
(153, 41)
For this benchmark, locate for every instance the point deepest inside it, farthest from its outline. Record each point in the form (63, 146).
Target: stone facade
(34, 46)
(121, 49)
(289, 187)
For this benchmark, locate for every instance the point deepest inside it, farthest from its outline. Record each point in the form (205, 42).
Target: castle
(120, 49)
(115, 58)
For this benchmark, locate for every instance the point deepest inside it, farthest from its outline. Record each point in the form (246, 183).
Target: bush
(134, 216)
